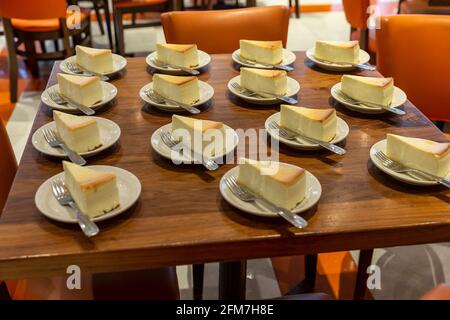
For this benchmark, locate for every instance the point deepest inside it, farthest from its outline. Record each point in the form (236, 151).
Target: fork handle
(443, 181)
(88, 227)
(288, 100)
(285, 68)
(329, 146)
(72, 155)
(293, 218)
(366, 66)
(86, 110)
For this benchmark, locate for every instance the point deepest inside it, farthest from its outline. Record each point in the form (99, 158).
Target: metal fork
(167, 65)
(80, 71)
(152, 95)
(397, 167)
(250, 93)
(290, 135)
(364, 66)
(173, 144)
(64, 198)
(274, 66)
(54, 142)
(59, 99)
(350, 100)
(248, 196)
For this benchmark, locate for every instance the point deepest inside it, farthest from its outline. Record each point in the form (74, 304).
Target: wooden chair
(424, 7)
(98, 5)
(133, 7)
(357, 16)
(297, 7)
(219, 31)
(27, 22)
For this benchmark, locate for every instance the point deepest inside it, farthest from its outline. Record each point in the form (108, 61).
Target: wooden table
(181, 217)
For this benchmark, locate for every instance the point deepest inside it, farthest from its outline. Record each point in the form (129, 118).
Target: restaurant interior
(326, 178)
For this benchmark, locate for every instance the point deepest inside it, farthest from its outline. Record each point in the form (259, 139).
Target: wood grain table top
(181, 217)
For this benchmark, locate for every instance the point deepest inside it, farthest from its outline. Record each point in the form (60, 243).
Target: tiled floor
(407, 272)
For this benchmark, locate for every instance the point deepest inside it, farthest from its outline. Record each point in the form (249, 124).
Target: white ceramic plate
(341, 133)
(381, 146)
(109, 134)
(312, 196)
(109, 93)
(293, 87)
(206, 94)
(398, 100)
(364, 57)
(203, 60)
(288, 58)
(119, 63)
(129, 192)
(163, 150)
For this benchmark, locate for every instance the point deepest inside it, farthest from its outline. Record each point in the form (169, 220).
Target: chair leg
(297, 9)
(364, 40)
(4, 293)
(12, 60)
(31, 58)
(365, 259)
(198, 271)
(99, 18)
(108, 24)
(308, 284)
(120, 34)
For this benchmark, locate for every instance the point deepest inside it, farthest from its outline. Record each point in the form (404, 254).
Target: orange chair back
(8, 165)
(414, 49)
(356, 13)
(33, 9)
(219, 31)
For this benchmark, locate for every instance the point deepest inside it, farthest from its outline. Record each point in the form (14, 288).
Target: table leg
(365, 259)
(251, 3)
(308, 284)
(232, 277)
(108, 24)
(198, 271)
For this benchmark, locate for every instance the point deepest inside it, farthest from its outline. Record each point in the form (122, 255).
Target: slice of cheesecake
(265, 81)
(319, 124)
(203, 136)
(337, 51)
(283, 186)
(426, 155)
(83, 90)
(79, 133)
(180, 89)
(94, 192)
(95, 60)
(183, 55)
(369, 89)
(270, 52)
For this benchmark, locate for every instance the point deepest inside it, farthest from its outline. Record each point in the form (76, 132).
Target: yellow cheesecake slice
(369, 89)
(79, 133)
(270, 52)
(426, 155)
(319, 124)
(203, 136)
(183, 55)
(281, 185)
(337, 51)
(95, 60)
(94, 192)
(181, 89)
(83, 90)
(266, 81)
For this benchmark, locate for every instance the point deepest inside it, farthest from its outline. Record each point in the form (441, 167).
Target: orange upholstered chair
(219, 31)
(356, 13)
(27, 22)
(414, 49)
(440, 292)
(8, 168)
